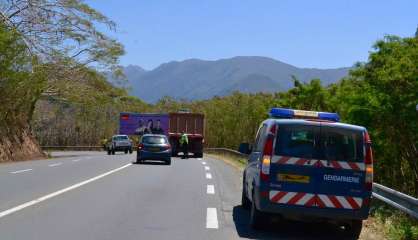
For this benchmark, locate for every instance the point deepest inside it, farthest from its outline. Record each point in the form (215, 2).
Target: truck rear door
(340, 176)
(293, 169)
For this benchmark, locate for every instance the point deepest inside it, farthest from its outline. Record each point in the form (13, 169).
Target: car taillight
(140, 146)
(267, 154)
(368, 161)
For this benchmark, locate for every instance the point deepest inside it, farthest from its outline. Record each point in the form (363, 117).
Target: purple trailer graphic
(143, 123)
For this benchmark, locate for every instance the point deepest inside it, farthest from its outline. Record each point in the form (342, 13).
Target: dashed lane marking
(207, 168)
(208, 176)
(212, 218)
(204, 163)
(210, 189)
(54, 165)
(22, 171)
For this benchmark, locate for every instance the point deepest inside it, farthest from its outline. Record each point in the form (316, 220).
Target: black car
(154, 147)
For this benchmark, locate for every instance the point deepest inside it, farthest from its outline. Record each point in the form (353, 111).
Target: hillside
(200, 79)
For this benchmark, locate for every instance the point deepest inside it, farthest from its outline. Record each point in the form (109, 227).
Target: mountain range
(202, 79)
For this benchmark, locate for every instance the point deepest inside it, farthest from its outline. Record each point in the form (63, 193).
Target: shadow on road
(151, 162)
(283, 229)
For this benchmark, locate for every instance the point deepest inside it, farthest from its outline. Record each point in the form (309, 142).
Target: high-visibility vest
(184, 139)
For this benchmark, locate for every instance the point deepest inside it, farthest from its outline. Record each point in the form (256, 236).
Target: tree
(56, 29)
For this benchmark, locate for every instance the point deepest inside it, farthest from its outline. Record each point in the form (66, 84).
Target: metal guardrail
(226, 150)
(398, 200)
(73, 148)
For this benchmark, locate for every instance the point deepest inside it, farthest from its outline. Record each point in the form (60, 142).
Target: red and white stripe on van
(357, 166)
(315, 200)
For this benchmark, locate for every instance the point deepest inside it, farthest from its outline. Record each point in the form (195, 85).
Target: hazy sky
(321, 33)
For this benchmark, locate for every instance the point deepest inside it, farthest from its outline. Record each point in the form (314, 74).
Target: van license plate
(293, 178)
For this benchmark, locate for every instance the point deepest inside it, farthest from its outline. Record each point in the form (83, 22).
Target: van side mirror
(245, 148)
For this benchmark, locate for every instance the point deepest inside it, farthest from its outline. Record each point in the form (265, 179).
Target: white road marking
(54, 165)
(211, 218)
(208, 176)
(210, 189)
(207, 168)
(59, 192)
(21, 171)
(204, 163)
(199, 159)
(76, 160)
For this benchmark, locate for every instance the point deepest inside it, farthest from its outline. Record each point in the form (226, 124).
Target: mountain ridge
(194, 79)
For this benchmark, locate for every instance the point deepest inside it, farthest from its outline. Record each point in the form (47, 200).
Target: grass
(397, 225)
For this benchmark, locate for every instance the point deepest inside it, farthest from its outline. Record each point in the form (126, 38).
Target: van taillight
(267, 154)
(368, 161)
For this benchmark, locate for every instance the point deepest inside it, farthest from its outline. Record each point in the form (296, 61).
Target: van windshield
(314, 142)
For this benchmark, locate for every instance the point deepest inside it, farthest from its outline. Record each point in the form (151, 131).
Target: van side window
(258, 147)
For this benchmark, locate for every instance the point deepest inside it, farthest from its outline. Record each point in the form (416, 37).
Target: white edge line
(211, 218)
(204, 163)
(76, 160)
(207, 168)
(21, 171)
(208, 176)
(59, 192)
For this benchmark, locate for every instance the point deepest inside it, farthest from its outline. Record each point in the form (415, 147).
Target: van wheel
(245, 202)
(109, 152)
(257, 218)
(113, 152)
(353, 230)
(126, 151)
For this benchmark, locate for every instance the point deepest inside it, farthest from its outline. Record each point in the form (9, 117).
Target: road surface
(90, 195)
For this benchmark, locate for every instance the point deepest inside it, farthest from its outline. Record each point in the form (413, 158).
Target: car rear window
(120, 138)
(328, 143)
(154, 140)
(297, 141)
(342, 144)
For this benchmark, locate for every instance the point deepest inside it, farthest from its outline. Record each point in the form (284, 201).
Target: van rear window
(314, 142)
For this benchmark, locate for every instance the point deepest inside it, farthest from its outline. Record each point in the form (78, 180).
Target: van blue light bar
(292, 113)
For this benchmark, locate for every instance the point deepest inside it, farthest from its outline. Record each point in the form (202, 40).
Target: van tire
(257, 218)
(245, 202)
(353, 230)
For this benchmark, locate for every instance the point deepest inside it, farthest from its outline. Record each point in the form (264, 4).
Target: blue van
(307, 166)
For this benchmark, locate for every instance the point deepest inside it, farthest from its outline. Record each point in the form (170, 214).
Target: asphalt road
(90, 195)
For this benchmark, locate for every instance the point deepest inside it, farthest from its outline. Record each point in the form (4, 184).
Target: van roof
(317, 123)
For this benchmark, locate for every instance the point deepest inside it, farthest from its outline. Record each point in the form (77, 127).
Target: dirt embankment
(19, 146)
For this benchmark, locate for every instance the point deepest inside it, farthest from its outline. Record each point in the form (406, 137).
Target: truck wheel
(353, 230)
(257, 218)
(109, 152)
(130, 151)
(126, 151)
(113, 151)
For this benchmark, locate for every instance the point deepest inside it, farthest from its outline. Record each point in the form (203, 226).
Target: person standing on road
(184, 144)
